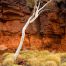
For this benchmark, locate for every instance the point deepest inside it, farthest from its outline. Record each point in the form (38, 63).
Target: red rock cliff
(47, 32)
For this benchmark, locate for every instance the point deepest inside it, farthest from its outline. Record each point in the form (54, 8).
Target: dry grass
(35, 58)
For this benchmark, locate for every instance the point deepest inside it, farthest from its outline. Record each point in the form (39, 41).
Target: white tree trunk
(34, 16)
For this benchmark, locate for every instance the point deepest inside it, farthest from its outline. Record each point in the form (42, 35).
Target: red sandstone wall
(47, 32)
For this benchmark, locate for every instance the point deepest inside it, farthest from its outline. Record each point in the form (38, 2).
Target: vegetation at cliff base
(35, 58)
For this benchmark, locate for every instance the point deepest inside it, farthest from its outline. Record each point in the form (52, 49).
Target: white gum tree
(36, 12)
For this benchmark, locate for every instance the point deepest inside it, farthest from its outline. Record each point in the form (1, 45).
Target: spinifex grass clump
(36, 58)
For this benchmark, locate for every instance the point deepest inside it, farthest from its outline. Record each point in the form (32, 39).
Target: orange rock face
(47, 32)
(35, 42)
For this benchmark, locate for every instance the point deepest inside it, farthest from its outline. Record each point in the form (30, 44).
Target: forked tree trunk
(36, 12)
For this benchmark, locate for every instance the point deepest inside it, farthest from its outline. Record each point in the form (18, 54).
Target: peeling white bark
(34, 16)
